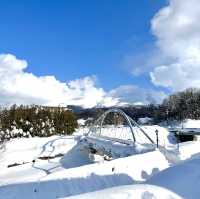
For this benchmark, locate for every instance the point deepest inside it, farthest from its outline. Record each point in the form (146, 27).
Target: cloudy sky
(92, 53)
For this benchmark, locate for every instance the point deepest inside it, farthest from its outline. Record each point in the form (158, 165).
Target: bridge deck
(113, 147)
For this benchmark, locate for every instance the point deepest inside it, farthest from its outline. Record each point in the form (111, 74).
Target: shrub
(30, 121)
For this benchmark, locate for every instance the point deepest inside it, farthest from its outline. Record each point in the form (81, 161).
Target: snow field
(182, 179)
(69, 172)
(63, 183)
(140, 191)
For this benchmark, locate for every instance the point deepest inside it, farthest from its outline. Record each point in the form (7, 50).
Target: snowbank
(93, 177)
(145, 120)
(23, 150)
(182, 179)
(81, 122)
(187, 123)
(38, 157)
(141, 191)
(189, 150)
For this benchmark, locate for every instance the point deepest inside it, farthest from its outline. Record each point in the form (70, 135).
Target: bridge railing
(127, 130)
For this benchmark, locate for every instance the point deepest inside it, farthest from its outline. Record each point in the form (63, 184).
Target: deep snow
(69, 170)
(183, 179)
(142, 191)
(187, 123)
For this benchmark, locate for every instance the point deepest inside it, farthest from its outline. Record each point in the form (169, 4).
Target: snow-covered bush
(30, 121)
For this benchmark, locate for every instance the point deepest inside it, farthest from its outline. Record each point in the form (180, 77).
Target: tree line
(178, 106)
(30, 121)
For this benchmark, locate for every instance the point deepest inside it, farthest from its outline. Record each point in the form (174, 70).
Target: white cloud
(138, 96)
(20, 87)
(177, 29)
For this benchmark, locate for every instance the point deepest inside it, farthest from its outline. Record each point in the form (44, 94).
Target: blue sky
(73, 39)
(88, 53)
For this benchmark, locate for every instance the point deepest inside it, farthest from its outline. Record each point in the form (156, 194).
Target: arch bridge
(116, 125)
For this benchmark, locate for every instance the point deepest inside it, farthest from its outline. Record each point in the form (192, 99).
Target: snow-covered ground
(57, 167)
(187, 123)
(142, 191)
(183, 179)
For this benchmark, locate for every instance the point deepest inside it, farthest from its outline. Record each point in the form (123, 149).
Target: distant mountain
(134, 111)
